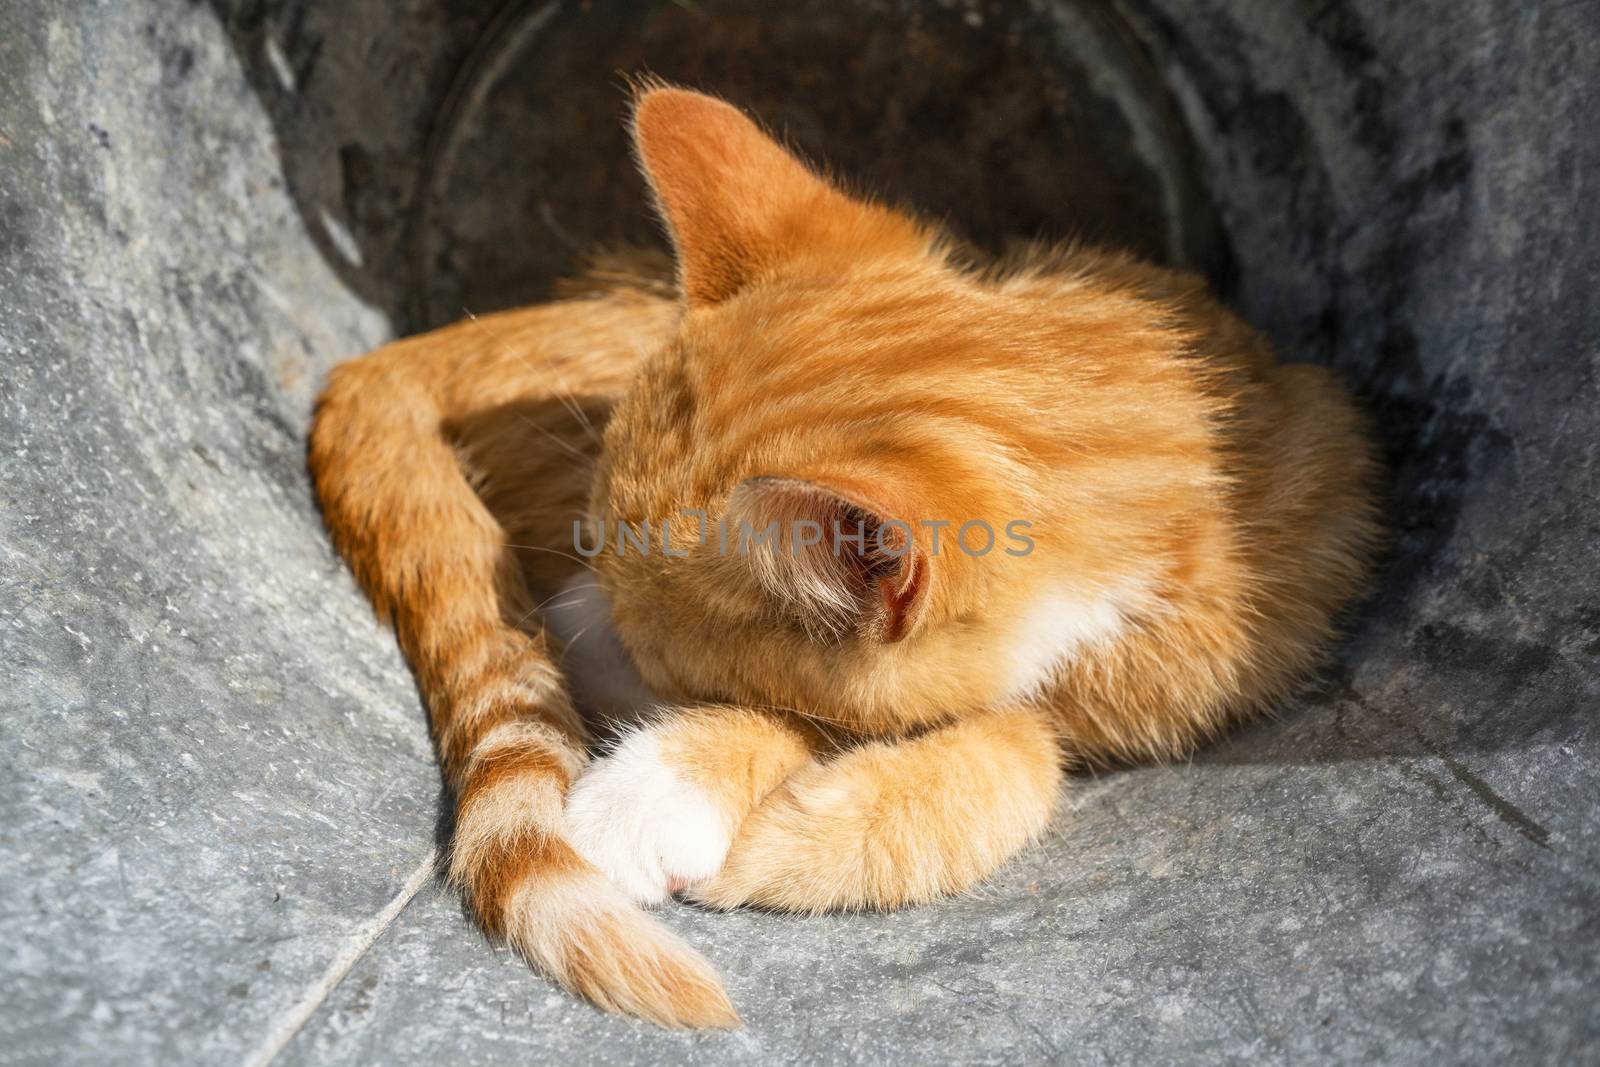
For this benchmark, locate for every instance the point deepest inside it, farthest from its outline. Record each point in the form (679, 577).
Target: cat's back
(1293, 442)
(1272, 556)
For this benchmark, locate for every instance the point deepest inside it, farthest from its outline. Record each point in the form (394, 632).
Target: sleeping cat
(869, 709)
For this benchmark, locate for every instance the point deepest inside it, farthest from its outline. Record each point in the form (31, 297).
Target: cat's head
(837, 380)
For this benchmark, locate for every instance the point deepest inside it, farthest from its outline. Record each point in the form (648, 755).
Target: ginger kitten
(871, 708)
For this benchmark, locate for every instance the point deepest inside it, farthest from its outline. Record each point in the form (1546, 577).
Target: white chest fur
(1058, 627)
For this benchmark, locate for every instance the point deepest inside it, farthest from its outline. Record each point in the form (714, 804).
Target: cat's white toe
(646, 828)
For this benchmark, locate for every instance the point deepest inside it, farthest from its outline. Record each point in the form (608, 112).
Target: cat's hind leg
(892, 823)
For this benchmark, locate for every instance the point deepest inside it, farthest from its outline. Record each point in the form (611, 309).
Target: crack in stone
(355, 947)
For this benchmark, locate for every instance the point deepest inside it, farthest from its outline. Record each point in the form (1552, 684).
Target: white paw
(645, 828)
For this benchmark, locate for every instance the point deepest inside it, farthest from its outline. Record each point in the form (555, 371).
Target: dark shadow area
(465, 155)
(1439, 659)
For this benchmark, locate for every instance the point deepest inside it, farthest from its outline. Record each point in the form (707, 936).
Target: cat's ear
(736, 203)
(838, 559)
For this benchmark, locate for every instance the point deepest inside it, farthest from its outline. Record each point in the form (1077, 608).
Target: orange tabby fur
(854, 730)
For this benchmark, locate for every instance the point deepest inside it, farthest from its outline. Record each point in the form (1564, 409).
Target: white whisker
(554, 552)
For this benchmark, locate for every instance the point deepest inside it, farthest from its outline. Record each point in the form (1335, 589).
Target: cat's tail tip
(586, 935)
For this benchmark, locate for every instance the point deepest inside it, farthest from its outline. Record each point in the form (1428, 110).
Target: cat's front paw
(643, 825)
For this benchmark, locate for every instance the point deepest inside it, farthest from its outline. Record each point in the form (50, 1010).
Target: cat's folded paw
(636, 819)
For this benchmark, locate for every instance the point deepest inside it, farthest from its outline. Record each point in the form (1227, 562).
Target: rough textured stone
(215, 779)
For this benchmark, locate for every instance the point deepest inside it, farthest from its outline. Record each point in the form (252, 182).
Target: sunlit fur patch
(584, 933)
(1059, 626)
(641, 823)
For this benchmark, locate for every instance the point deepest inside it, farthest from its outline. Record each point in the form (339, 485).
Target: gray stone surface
(216, 794)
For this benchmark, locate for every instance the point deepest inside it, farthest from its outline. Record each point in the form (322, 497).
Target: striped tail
(527, 885)
(433, 560)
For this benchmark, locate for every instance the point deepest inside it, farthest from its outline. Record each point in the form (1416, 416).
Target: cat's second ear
(737, 204)
(835, 559)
